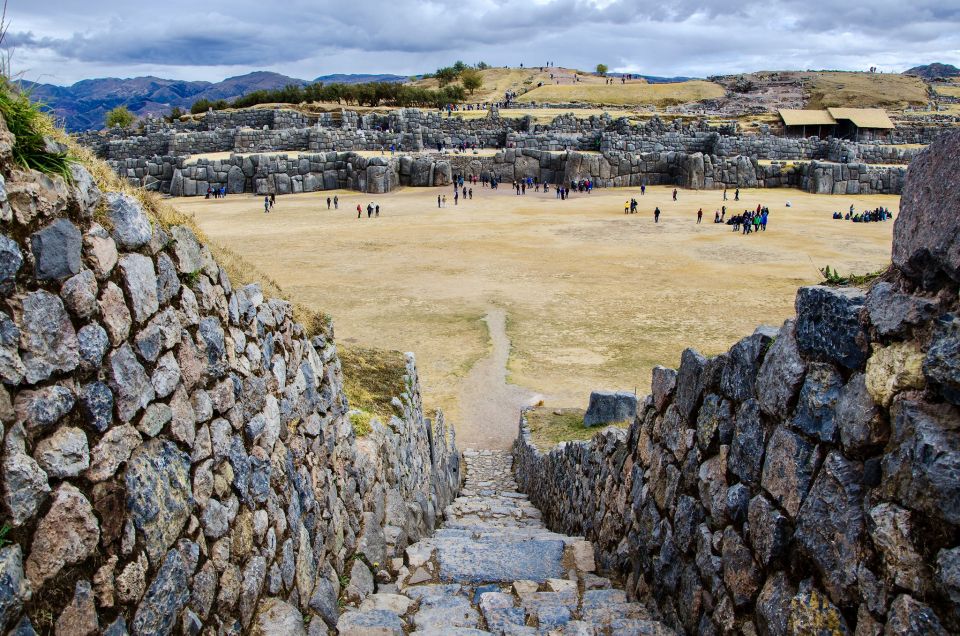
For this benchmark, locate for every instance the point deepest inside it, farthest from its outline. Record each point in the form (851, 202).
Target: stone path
(494, 569)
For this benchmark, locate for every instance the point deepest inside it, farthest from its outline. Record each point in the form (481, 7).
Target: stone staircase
(495, 569)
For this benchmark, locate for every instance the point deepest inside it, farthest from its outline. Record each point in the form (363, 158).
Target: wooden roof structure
(794, 117)
(863, 117)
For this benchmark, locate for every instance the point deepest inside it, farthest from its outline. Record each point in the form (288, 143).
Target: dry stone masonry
(494, 569)
(806, 481)
(177, 455)
(611, 152)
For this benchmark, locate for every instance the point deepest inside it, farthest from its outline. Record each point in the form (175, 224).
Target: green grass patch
(31, 126)
(360, 420)
(371, 379)
(833, 278)
(549, 426)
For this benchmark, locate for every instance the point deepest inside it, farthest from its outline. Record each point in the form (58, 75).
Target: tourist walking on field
(699, 215)
(438, 200)
(674, 194)
(358, 210)
(336, 202)
(656, 215)
(328, 202)
(643, 189)
(266, 204)
(724, 194)
(736, 195)
(273, 199)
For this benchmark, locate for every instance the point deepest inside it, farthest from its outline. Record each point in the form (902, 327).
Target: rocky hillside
(808, 480)
(933, 71)
(177, 452)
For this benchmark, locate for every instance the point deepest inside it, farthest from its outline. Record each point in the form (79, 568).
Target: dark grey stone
(910, 617)
(738, 499)
(14, 587)
(769, 531)
(40, 410)
(738, 379)
(159, 494)
(10, 259)
(789, 468)
(858, 418)
(829, 326)
(48, 341)
(714, 423)
(941, 366)
(920, 472)
(166, 596)
(323, 601)
(11, 366)
(831, 527)
(93, 343)
(131, 227)
(747, 448)
(130, 383)
(816, 408)
(56, 250)
(740, 571)
(926, 236)
(168, 283)
(211, 332)
(607, 407)
(893, 313)
(662, 384)
(688, 516)
(781, 374)
(688, 383)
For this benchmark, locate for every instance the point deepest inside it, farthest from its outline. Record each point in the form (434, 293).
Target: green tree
(446, 75)
(602, 69)
(471, 79)
(460, 67)
(119, 116)
(175, 113)
(482, 65)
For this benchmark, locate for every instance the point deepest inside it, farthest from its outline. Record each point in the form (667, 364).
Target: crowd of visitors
(867, 216)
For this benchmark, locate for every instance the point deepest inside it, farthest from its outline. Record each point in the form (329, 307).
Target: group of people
(372, 210)
(867, 216)
(750, 221)
(216, 193)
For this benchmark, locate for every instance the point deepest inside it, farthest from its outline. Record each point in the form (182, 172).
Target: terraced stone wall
(808, 479)
(177, 454)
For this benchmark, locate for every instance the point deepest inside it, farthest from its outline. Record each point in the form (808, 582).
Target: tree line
(364, 94)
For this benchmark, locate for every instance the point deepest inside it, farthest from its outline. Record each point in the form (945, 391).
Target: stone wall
(808, 479)
(283, 174)
(177, 453)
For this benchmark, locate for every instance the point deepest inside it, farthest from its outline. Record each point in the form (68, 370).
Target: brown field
(950, 90)
(864, 90)
(630, 94)
(589, 297)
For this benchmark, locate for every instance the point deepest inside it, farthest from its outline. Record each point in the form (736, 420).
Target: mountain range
(82, 106)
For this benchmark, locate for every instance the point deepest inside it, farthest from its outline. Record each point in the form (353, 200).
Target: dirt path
(489, 405)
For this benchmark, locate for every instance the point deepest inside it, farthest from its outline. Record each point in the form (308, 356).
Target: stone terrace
(494, 569)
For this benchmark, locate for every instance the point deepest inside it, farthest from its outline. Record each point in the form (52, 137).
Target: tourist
(656, 215)
(716, 216)
(626, 207)
(273, 199)
(444, 200)
(699, 215)
(336, 202)
(724, 194)
(266, 204)
(456, 196)
(736, 195)
(763, 219)
(358, 210)
(438, 200)
(674, 194)
(471, 193)
(329, 200)
(643, 189)
(377, 210)
(370, 209)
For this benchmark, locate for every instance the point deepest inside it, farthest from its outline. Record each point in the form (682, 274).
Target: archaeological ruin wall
(808, 479)
(178, 454)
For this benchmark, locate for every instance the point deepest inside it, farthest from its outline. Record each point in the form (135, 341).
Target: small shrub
(360, 420)
(119, 117)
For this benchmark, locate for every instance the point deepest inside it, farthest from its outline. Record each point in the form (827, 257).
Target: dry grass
(631, 94)
(864, 90)
(950, 90)
(372, 378)
(594, 298)
(549, 427)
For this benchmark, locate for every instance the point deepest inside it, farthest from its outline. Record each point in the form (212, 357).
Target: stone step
(500, 559)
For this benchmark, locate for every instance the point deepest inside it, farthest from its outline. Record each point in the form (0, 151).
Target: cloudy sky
(62, 41)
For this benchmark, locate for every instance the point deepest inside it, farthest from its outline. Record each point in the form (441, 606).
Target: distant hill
(83, 105)
(358, 78)
(933, 71)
